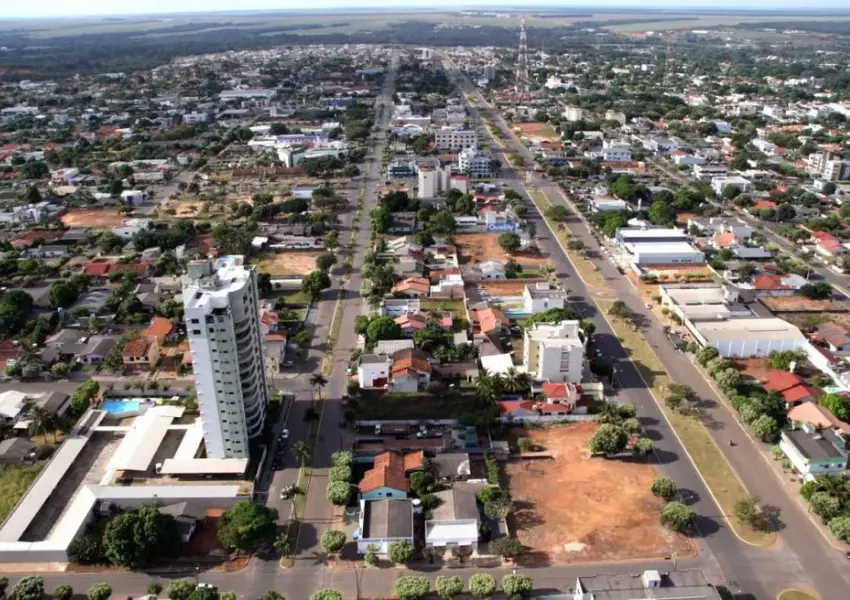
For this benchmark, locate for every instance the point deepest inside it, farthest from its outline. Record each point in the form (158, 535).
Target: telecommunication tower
(521, 86)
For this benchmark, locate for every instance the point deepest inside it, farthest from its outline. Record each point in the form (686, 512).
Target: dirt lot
(541, 131)
(93, 217)
(574, 509)
(480, 247)
(506, 287)
(288, 263)
(799, 304)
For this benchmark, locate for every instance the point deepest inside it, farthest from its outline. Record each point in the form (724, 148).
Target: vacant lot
(800, 304)
(541, 131)
(575, 509)
(287, 263)
(15, 481)
(102, 218)
(479, 247)
(506, 287)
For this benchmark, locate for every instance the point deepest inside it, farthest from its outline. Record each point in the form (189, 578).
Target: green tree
(664, 487)
(510, 242)
(100, 591)
(609, 439)
(86, 550)
(728, 379)
(180, 589)
(676, 516)
(766, 429)
(282, 544)
(313, 283)
(15, 311)
(137, 538)
(333, 541)
(662, 213)
(448, 586)
(442, 223)
(326, 595)
(482, 585)
(837, 405)
(41, 421)
(817, 291)
(705, 354)
(340, 473)
(63, 592)
(825, 506)
(840, 528)
(644, 446)
(338, 493)
(29, 587)
(516, 584)
(400, 552)
(382, 328)
(246, 525)
(411, 587)
(507, 547)
(325, 261)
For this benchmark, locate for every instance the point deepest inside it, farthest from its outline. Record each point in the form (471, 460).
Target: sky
(63, 8)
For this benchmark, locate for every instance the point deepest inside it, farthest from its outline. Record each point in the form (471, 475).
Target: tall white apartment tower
(223, 324)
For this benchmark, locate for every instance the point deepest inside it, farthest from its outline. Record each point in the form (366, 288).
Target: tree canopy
(139, 537)
(246, 525)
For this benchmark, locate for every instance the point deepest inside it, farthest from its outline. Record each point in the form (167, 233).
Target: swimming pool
(120, 406)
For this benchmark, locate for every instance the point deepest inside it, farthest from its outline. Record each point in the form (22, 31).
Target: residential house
(455, 521)
(650, 585)
(390, 347)
(388, 477)
(815, 451)
(12, 404)
(817, 416)
(95, 351)
(492, 269)
(540, 297)
(777, 285)
(491, 321)
(163, 330)
(411, 371)
(383, 522)
(16, 450)
(530, 410)
(414, 287)
(394, 307)
(410, 323)
(373, 371)
(834, 335)
(791, 387)
(565, 394)
(141, 352)
(54, 403)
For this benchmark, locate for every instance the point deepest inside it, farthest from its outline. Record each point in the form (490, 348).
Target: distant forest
(121, 51)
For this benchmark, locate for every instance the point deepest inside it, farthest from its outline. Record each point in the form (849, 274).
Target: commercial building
(616, 151)
(475, 162)
(746, 338)
(703, 302)
(635, 235)
(221, 307)
(709, 172)
(719, 184)
(815, 451)
(554, 352)
(650, 585)
(455, 139)
(664, 253)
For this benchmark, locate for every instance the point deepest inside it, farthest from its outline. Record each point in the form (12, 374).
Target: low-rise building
(476, 162)
(455, 520)
(383, 522)
(373, 370)
(455, 139)
(650, 585)
(815, 451)
(540, 297)
(747, 338)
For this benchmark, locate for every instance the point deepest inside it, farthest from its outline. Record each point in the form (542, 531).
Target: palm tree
(516, 382)
(41, 422)
(318, 381)
(489, 387)
(301, 451)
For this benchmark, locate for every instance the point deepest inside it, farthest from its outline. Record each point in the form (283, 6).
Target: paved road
(801, 556)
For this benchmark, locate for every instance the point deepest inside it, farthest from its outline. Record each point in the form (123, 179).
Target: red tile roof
(387, 472)
(160, 328)
(779, 381)
(137, 347)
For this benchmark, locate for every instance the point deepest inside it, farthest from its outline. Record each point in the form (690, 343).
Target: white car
(284, 434)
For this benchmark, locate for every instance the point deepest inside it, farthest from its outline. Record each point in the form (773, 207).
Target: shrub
(644, 446)
(491, 494)
(448, 587)
(44, 451)
(525, 444)
(400, 552)
(516, 584)
(63, 592)
(86, 550)
(507, 547)
(676, 516)
(338, 493)
(411, 587)
(664, 487)
(492, 470)
(341, 458)
(840, 528)
(333, 541)
(340, 473)
(326, 595)
(482, 585)
(99, 591)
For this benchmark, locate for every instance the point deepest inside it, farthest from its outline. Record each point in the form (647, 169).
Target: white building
(222, 321)
(719, 184)
(664, 253)
(747, 338)
(455, 139)
(475, 162)
(131, 227)
(554, 352)
(540, 297)
(373, 370)
(709, 172)
(429, 183)
(195, 117)
(573, 114)
(613, 115)
(823, 165)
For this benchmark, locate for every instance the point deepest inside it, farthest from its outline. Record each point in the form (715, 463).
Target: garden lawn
(719, 476)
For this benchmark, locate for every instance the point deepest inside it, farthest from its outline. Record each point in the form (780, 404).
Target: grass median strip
(715, 470)
(585, 267)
